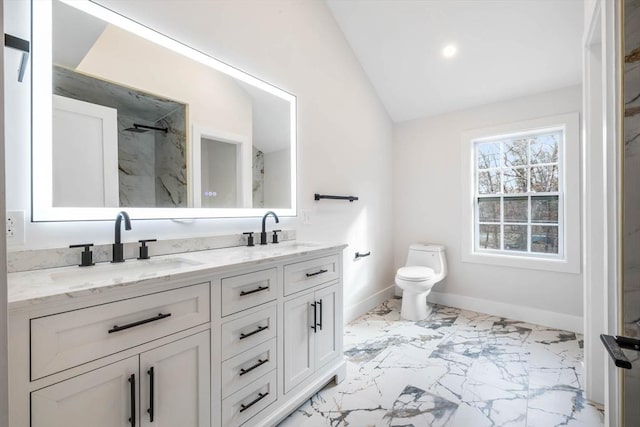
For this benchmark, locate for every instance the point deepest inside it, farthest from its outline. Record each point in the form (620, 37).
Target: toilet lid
(415, 273)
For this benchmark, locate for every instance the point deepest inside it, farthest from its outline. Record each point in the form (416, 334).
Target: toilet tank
(427, 255)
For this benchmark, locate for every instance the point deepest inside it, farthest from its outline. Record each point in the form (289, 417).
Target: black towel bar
(324, 196)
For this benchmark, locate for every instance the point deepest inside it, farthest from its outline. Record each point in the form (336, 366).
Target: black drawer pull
(117, 328)
(257, 365)
(132, 396)
(258, 289)
(316, 273)
(253, 402)
(260, 329)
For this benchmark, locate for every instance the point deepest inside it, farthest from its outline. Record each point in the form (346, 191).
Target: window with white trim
(518, 193)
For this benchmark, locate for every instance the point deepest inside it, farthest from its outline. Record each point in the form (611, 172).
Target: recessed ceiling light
(449, 51)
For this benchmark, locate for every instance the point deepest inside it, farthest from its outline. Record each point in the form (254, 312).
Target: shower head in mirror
(143, 128)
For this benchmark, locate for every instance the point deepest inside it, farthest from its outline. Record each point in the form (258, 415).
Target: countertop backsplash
(38, 259)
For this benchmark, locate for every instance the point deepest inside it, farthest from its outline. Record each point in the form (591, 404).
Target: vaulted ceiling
(505, 49)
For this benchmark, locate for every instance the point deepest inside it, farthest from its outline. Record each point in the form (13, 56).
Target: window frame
(568, 257)
(527, 194)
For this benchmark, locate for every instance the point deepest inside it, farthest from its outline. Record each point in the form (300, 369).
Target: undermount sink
(139, 268)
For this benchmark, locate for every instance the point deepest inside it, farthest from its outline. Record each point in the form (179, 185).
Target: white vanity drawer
(244, 404)
(241, 334)
(65, 340)
(307, 274)
(243, 369)
(248, 290)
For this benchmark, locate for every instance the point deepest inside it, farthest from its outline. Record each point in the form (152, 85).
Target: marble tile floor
(456, 368)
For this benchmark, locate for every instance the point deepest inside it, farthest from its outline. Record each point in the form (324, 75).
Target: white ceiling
(506, 49)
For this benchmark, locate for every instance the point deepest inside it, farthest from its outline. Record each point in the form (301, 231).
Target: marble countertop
(48, 285)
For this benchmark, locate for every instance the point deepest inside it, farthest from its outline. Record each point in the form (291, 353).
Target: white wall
(344, 133)
(427, 174)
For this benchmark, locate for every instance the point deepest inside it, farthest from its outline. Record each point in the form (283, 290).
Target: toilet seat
(415, 273)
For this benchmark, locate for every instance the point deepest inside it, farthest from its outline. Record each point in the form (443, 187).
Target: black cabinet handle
(316, 273)
(320, 304)
(132, 383)
(254, 401)
(359, 255)
(117, 328)
(257, 365)
(260, 329)
(258, 289)
(151, 410)
(315, 317)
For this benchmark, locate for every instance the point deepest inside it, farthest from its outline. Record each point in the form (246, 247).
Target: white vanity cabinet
(167, 386)
(311, 335)
(143, 360)
(220, 345)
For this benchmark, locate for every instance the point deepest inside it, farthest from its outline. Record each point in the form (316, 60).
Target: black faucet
(263, 234)
(117, 247)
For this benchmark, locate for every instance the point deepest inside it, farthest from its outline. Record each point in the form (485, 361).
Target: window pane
(489, 237)
(544, 148)
(544, 179)
(489, 209)
(516, 209)
(515, 237)
(516, 152)
(488, 155)
(488, 182)
(544, 209)
(515, 180)
(544, 239)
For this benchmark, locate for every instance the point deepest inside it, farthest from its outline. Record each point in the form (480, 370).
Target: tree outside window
(518, 193)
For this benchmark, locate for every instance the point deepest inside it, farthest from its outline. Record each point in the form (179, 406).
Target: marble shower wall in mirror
(151, 141)
(158, 96)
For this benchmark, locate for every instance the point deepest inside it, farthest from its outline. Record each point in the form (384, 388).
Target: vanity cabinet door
(100, 398)
(175, 384)
(299, 342)
(326, 338)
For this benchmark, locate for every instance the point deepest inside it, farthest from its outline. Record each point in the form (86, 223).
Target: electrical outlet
(15, 228)
(306, 216)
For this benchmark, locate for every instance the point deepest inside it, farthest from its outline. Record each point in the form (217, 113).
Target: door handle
(614, 345)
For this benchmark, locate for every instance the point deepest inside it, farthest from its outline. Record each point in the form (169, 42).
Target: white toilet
(426, 265)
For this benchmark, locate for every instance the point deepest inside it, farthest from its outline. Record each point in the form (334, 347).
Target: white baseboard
(354, 311)
(552, 319)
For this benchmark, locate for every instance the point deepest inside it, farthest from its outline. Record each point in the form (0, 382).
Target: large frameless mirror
(125, 117)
